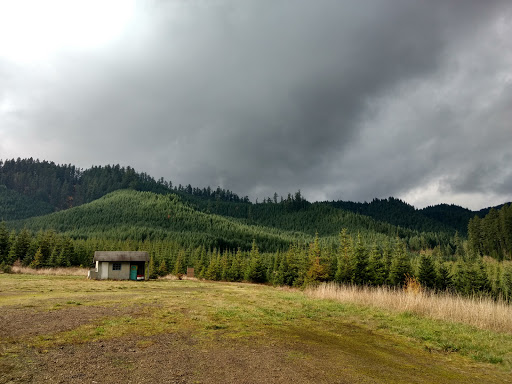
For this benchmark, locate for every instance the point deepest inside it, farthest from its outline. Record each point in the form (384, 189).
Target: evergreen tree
(179, 265)
(38, 261)
(400, 264)
(235, 271)
(475, 242)
(476, 278)
(344, 269)
(376, 267)
(52, 261)
(459, 248)
(458, 277)
(288, 268)
(360, 274)
(162, 268)
(225, 263)
(256, 271)
(387, 256)
(46, 241)
(67, 253)
(214, 270)
(4, 242)
(20, 246)
(427, 272)
(318, 268)
(201, 263)
(443, 279)
(152, 272)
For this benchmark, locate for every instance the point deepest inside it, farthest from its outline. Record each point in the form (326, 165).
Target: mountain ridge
(30, 188)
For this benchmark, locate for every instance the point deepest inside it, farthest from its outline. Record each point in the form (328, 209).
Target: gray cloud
(344, 100)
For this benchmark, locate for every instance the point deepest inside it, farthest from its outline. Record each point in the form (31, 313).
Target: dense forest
(492, 234)
(350, 260)
(66, 186)
(58, 215)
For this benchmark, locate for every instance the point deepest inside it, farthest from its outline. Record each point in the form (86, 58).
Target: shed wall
(123, 274)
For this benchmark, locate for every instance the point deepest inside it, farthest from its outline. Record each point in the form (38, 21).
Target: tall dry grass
(68, 271)
(480, 312)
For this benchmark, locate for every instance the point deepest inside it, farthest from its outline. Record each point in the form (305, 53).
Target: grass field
(66, 329)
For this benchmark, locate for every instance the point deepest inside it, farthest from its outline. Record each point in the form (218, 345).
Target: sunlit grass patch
(241, 313)
(480, 312)
(468, 334)
(108, 328)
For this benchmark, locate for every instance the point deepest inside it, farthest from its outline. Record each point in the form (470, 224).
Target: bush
(5, 268)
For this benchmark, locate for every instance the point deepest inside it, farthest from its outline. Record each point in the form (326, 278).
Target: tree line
(492, 234)
(351, 260)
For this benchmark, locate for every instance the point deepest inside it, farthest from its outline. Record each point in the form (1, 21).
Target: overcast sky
(344, 100)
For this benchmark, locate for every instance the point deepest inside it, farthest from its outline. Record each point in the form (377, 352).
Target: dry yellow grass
(480, 312)
(69, 271)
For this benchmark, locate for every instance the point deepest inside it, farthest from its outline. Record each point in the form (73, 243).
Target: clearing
(57, 329)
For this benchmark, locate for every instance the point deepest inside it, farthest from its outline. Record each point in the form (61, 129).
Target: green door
(133, 272)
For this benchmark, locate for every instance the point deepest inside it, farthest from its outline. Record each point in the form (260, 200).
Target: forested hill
(442, 217)
(31, 188)
(128, 214)
(66, 186)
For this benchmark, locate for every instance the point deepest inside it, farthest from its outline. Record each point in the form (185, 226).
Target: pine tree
(38, 261)
(459, 248)
(225, 263)
(360, 274)
(344, 269)
(475, 235)
(214, 270)
(443, 279)
(20, 245)
(152, 272)
(387, 256)
(427, 272)
(4, 242)
(179, 265)
(162, 268)
(67, 253)
(476, 278)
(376, 267)
(256, 271)
(273, 271)
(400, 264)
(458, 277)
(318, 270)
(288, 268)
(235, 271)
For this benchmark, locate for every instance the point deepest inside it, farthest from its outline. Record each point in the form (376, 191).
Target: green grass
(222, 312)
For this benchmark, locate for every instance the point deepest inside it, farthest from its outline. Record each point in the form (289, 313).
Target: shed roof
(120, 256)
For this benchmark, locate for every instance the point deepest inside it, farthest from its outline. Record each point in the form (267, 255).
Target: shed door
(104, 270)
(133, 272)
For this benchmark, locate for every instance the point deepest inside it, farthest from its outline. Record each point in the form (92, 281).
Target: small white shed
(119, 265)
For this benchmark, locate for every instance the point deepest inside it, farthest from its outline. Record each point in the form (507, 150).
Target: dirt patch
(25, 322)
(170, 358)
(182, 357)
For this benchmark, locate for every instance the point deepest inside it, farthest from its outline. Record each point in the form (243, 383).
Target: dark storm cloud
(343, 99)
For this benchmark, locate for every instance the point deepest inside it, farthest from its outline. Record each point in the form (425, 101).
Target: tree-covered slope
(398, 212)
(129, 214)
(452, 216)
(66, 186)
(139, 215)
(14, 206)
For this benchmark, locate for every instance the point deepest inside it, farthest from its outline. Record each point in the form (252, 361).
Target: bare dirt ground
(175, 332)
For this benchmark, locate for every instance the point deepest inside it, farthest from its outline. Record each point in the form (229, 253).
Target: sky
(342, 99)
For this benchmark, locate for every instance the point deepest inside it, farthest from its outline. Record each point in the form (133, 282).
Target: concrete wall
(123, 274)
